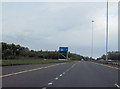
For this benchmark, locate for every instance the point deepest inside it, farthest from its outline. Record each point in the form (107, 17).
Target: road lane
(18, 68)
(37, 78)
(87, 74)
(73, 74)
(28, 70)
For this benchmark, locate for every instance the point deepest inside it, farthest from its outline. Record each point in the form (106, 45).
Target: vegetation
(15, 52)
(29, 61)
(111, 55)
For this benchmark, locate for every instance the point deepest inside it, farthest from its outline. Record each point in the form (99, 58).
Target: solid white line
(109, 66)
(13, 74)
(117, 85)
(27, 71)
(105, 65)
(35, 69)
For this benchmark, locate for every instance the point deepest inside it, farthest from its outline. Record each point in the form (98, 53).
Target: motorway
(72, 74)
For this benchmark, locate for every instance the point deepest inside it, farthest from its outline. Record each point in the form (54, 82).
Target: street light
(92, 40)
(107, 33)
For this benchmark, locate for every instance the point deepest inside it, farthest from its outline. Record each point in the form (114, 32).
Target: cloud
(50, 25)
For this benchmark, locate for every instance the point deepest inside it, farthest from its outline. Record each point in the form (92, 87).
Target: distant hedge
(12, 51)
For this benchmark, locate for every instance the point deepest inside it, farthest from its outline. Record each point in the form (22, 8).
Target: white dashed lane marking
(44, 88)
(117, 85)
(63, 72)
(56, 78)
(50, 83)
(61, 75)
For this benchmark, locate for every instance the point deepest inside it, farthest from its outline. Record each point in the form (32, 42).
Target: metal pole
(92, 41)
(67, 54)
(107, 33)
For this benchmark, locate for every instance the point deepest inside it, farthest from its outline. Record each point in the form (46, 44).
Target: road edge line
(106, 65)
(30, 70)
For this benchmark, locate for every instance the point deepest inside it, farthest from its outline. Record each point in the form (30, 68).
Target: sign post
(63, 53)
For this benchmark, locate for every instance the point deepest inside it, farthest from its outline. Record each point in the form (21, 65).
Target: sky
(50, 25)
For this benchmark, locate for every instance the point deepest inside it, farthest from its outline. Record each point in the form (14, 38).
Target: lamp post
(107, 33)
(92, 40)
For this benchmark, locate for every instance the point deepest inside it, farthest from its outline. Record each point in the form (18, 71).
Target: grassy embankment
(29, 61)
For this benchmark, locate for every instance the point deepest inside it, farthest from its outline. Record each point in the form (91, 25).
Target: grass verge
(29, 61)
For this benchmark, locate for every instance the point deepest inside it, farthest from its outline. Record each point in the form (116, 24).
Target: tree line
(12, 51)
(114, 55)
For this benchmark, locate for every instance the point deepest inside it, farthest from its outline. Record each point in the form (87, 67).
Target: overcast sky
(48, 26)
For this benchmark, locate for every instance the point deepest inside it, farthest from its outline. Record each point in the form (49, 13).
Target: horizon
(56, 50)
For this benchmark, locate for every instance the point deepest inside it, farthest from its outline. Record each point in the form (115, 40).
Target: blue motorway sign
(63, 49)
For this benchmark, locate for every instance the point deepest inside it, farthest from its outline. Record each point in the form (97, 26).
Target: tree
(7, 53)
(103, 57)
(12, 51)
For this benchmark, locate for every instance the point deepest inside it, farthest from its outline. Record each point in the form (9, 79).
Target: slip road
(72, 74)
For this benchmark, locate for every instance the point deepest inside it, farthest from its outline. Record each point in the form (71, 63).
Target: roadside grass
(30, 61)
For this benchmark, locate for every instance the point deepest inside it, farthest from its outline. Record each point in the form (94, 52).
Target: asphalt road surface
(73, 74)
